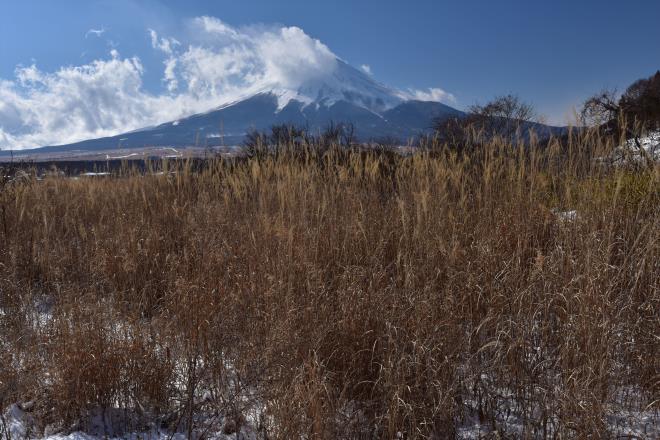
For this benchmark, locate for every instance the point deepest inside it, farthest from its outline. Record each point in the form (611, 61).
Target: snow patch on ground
(511, 423)
(565, 216)
(638, 150)
(20, 425)
(94, 174)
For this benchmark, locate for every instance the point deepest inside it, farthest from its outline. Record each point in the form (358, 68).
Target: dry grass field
(506, 292)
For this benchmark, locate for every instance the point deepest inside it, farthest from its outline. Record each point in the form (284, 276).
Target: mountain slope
(341, 95)
(229, 125)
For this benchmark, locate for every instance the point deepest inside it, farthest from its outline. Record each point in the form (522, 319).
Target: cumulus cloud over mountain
(214, 65)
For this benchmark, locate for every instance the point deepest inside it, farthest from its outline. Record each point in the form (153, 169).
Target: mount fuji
(342, 95)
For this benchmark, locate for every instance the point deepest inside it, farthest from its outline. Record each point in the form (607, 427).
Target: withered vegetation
(340, 293)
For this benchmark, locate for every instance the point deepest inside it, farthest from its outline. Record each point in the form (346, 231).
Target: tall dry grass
(346, 295)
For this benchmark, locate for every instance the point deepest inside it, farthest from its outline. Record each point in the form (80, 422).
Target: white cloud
(215, 65)
(165, 45)
(74, 103)
(213, 25)
(95, 32)
(430, 94)
(226, 58)
(366, 68)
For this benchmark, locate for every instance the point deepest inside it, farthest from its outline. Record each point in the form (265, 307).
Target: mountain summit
(343, 83)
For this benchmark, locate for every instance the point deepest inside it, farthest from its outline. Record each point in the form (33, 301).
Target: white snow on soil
(630, 151)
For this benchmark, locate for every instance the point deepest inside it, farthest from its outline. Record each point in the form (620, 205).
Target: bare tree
(509, 107)
(503, 116)
(640, 103)
(600, 109)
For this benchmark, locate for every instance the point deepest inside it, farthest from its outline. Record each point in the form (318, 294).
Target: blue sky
(552, 53)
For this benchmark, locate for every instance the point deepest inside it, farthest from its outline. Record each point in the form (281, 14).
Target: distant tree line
(288, 137)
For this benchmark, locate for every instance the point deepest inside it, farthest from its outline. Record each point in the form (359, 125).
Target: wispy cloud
(165, 45)
(366, 69)
(430, 94)
(95, 32)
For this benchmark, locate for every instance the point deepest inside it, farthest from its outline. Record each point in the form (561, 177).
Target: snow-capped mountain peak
(343, 83)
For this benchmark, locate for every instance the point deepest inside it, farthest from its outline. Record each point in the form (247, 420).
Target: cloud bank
(214, 65)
